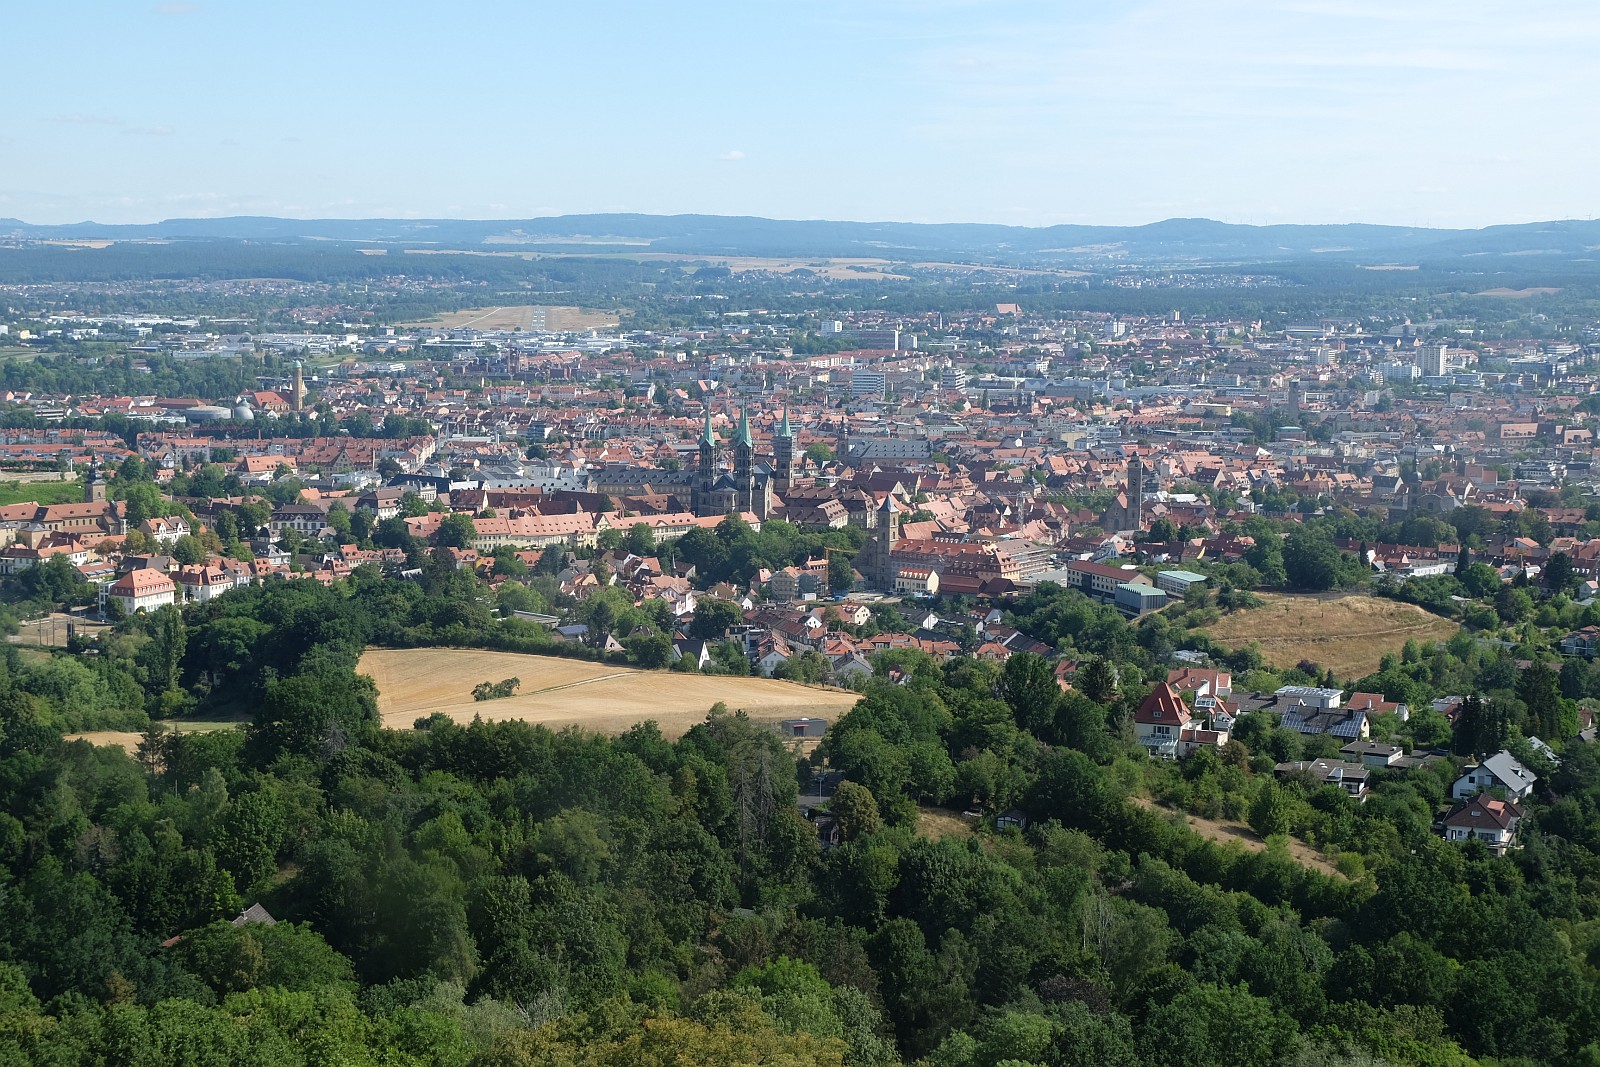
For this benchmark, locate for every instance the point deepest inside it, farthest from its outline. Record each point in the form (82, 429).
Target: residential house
(1584, 642)
(1374, 754)
(696, 652)
(165, 530)
(771, 652)
(1203, 681)
(1310, 696)
(916, 581)
(1168, 729)
(849, 667)
(1349, 777)
(1486, 819)
(1500, 771)
(31, 552)
(308, 520)
(1382, 757)
(386, 502)
(1348, 723)
(202, 582)
(1375, 704)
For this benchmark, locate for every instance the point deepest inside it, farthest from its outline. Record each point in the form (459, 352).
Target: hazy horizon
(771, 218)
(1424, 113)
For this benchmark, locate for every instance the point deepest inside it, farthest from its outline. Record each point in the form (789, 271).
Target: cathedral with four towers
(750, 485)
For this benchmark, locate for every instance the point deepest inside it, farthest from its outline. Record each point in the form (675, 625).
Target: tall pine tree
(1540, 689)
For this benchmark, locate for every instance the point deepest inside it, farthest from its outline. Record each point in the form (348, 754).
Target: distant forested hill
(1173, 241)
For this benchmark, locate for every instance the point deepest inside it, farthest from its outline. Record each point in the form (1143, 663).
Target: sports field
(413, 683)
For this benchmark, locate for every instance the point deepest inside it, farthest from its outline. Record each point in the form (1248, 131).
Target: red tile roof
(1163, 706)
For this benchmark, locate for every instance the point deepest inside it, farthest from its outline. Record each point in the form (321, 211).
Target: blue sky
(1420, 112)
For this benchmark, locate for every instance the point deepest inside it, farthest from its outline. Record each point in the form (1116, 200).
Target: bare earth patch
(129, 739)
(51, 631)
(414, 683)
(1350, 634)
(939, 823)
(523, 317)
(1223, 833)
(1520, 294)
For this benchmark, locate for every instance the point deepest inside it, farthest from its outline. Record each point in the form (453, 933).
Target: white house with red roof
(165, 530)
(1169, 729)
(204, 581)
(140, 590)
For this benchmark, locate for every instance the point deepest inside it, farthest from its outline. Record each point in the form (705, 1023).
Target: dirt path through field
(581, 681)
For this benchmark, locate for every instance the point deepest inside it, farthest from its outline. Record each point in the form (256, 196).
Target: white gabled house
(165, 530)
(1500, 771)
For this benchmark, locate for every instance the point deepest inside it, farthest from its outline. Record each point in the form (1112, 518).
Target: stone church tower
(1136, 493)
(783, 454)
(876, 561)
(744, 464)
(706, 471)
(94, 483)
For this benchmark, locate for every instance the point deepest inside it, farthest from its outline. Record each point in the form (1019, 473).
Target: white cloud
(732, 155)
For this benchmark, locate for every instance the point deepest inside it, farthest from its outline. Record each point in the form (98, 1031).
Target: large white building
(868, 383)
(140, 590)
(1433, 360)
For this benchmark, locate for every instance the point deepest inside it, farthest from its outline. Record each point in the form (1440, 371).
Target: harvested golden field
(129, 739)
(525, 317)
(843, 267)
(1347, 633)
(413, 683)
(1520, 294)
